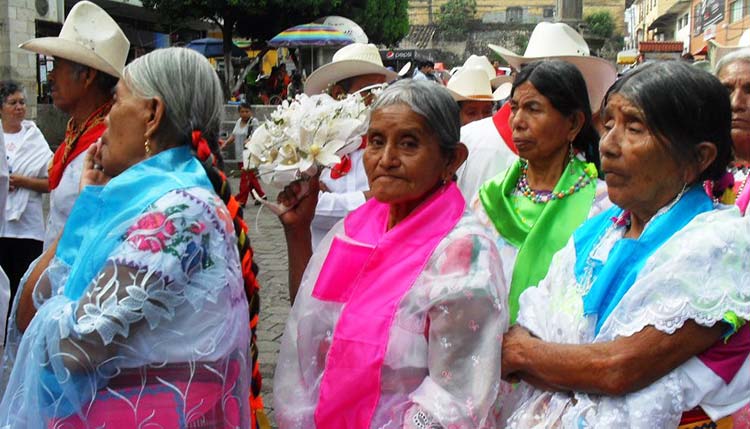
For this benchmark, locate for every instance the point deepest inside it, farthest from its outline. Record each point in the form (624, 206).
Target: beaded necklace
(542, 197)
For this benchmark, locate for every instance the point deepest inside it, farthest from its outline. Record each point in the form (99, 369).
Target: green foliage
(601, 24)
(384, 21)
(455, 17)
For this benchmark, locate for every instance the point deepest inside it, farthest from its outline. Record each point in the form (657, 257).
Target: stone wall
(16, 26)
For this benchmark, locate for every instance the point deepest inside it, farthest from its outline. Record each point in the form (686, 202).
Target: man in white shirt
(88, 62)
(345, 186)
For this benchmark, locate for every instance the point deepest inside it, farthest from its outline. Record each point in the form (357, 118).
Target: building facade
(423, 12)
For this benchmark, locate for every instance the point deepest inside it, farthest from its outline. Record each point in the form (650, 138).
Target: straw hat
(559, 41)
(90, 37)
(351, 60)
(471, 84)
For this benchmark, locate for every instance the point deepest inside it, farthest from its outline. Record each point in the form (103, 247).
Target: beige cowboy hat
(351, 60)
(717, 51)
(559, 41)
(471, 84)
(481, 61)
(89, 36)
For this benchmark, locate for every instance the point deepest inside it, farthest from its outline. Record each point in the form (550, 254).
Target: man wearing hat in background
(471, 86)
(89, 53)
(490, 140)
(345, 185)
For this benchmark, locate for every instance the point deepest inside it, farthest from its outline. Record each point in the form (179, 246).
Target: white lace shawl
(700, 274)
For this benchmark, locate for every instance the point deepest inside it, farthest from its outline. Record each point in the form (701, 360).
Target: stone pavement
(268, 243)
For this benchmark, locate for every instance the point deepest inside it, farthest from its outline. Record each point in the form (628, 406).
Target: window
(514, 14)
(549, 12)
(736, 8)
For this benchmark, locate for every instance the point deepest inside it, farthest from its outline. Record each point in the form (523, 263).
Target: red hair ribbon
(201, 146)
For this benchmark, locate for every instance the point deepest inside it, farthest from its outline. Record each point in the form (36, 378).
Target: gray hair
(8, 88)
(430, 100)
(187, 84)
(739, 55)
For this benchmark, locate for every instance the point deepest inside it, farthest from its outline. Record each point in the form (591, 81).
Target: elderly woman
(27, 152)
(545, 195)
(139, 313)
(625, 311)
(400, 313)
(733, 71)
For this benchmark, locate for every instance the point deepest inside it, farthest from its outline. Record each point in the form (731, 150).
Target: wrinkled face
(736, 78)
(403, 159)
(67, 87)
(245, 113)
(475, 110)
(539, 130)
(14, 109)
(123, 141)
(640, 171)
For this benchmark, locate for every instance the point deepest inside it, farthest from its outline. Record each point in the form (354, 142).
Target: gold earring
(148, 148)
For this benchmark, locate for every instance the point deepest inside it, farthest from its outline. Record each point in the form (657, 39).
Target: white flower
(305, 135)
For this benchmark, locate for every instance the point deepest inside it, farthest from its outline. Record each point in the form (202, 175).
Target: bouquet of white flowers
(306, 134)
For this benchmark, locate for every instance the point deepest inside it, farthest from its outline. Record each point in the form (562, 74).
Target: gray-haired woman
(139, 314)
(28, 155)
(401, 309)
(733, 70)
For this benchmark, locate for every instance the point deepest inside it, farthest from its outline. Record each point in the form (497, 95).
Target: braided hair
(194, 104)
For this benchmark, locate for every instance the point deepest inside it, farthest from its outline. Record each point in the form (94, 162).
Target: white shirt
(488, 156)
(4, 178)
(346, 194)
(62, 199)
(31, 223)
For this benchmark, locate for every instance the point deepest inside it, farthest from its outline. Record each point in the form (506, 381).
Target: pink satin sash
(370, 270)
(743, 199)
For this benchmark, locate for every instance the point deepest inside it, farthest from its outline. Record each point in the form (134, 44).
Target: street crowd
(564, 247)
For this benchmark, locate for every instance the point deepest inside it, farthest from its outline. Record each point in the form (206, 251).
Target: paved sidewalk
(268, 242)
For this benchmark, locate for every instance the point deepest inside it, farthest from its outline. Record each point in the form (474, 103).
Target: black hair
(104, 82)
(683, 106)
(245, 105)
(8, 88)
(563, 85)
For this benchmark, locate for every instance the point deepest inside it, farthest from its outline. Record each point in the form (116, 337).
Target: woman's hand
(302, 203)
(515, 342)
(92, 167)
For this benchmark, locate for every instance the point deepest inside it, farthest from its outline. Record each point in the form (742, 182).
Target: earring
(148, 147)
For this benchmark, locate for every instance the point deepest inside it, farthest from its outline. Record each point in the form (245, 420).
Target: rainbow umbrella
(310, 35)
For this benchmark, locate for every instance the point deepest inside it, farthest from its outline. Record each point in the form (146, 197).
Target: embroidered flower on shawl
(151, 232)
(108, 319)
(152, 302)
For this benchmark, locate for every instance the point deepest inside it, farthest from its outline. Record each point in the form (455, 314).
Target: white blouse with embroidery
(168, 306)
(700, 274)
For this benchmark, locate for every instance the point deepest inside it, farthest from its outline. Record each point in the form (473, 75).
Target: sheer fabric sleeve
(466, 319)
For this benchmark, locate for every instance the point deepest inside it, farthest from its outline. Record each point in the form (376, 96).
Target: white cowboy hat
(471, 84)
(89, 36)
(351, 60)
(481, 61)
(559, 41)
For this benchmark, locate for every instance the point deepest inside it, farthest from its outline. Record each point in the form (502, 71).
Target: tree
(455, 16)
(385, 21)
(601, 24)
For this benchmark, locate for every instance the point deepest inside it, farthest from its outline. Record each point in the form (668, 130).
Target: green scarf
(555, 223)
